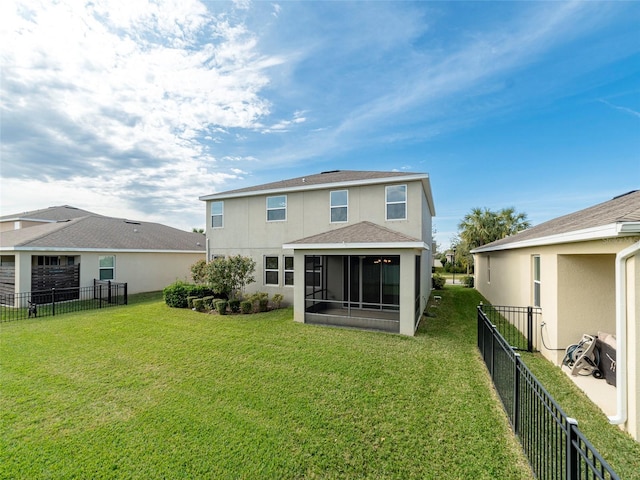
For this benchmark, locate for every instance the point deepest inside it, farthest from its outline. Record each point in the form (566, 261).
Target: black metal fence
(56, 301)
(518, 325)
(552, 442)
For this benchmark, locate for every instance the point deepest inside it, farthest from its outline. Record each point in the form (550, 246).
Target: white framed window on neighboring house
(271, 271)
(288, 270)
(107, 267)
(396, 202)
(536, 281)
(217, 214)
(339, 200)
(277, 208)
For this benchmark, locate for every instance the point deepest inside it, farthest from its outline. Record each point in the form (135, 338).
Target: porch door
(373, 281)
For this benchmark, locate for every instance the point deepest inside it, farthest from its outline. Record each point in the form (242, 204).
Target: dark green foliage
(246, 306)
(467, 281)
(209, 302)
(438, 281)
(175, 295)
(221, 306)
(190, 300)
(276, 300)
(234, 305)
(198, 304)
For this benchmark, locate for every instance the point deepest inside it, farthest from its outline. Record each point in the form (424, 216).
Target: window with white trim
(271, 271)
(288, 270)
(339, 200)
(277, 208)
(217, 214)
(107, 267)
(536, 281)
(396, 202)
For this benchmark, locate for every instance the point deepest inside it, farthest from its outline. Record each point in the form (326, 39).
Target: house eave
(356, 246)
(92, 250)
(603, 232)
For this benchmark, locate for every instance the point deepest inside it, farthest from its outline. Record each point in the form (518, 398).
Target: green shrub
(221, 306)
(209, 301)
(201, 291)
(468, 281)
(190, 299)
(263, 304)
(438, 281)
(175, 295)
(234, 305)
(276, 300)
(246, 306)
(198, 304)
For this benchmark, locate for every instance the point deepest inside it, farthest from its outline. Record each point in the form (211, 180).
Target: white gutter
(621, 333)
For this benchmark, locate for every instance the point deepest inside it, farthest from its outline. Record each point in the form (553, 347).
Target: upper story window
(339, 206)
(396, 202)
(107, 267)
(276, 208)
(217, 214)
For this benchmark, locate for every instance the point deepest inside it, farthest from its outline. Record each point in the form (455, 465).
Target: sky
(135, 108)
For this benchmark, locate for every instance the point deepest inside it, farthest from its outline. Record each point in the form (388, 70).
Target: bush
(202, 291)
(276, 300)
(190, 300)
(468, 281)
(246, 306)
(221, 306)
(234, 305)
(175, 295)
(198, 304)
(208, 302)
(438, 281)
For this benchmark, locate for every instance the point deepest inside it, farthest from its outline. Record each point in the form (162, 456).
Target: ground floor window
(536, 280)
(288, 270)
(271, 271)
(107, 267)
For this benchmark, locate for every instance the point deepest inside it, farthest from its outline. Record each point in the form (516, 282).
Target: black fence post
(126, 300)
(100, 296)
(572, 452)
(53, 302)
(109, 292)
(516, 394)
(529, 329)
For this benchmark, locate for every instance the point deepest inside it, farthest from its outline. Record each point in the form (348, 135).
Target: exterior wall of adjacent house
(142, 271)
(247, 232)
(577, 291)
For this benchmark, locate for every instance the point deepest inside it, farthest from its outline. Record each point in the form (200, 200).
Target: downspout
(621, 333)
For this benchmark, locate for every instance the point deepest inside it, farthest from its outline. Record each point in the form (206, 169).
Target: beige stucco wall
(577, 296)
(143, 272)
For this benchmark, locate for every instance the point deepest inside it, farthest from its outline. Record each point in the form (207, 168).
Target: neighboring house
(583, 271)
(347, 248)
(68, 247)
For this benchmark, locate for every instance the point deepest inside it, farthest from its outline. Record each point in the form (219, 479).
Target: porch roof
(360, 235)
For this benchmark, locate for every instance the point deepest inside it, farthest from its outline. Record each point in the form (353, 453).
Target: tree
(229, 275)
(482, 226)
(197, 230)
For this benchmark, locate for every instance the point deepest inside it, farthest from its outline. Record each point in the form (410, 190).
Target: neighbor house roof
(51, 214)
(617, 217)
(359, 235)
(333, 178)
(96, 232)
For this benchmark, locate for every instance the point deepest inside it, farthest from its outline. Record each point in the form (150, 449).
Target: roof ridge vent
(330, 171)
(132, 222)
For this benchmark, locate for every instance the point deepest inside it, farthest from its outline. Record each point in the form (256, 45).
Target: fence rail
(56, 301)
(552, 442)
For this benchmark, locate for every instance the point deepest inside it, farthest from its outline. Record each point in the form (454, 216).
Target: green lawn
(145, 391)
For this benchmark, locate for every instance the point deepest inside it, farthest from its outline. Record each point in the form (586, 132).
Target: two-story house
(346, 248)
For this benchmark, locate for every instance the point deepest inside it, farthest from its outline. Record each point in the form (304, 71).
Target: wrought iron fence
(56, 301)
(552, 442)
(518, 325)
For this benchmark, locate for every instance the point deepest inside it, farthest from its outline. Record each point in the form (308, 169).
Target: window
(276, 208)
(107, 267)
(536, 280)
(339, 206)
(396, 202)
(217, 214)
(271, 271)
(288, 270)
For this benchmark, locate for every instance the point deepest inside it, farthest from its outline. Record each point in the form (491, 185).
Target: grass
(145, 391)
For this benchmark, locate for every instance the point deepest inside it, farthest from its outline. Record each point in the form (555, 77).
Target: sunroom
(361, 276)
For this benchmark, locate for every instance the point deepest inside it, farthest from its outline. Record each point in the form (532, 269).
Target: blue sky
(136, 108)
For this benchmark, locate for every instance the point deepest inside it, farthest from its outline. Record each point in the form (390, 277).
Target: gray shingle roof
(54, 214)
(359, 233)
(620, 209)
(334, 176)
(103, 233)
